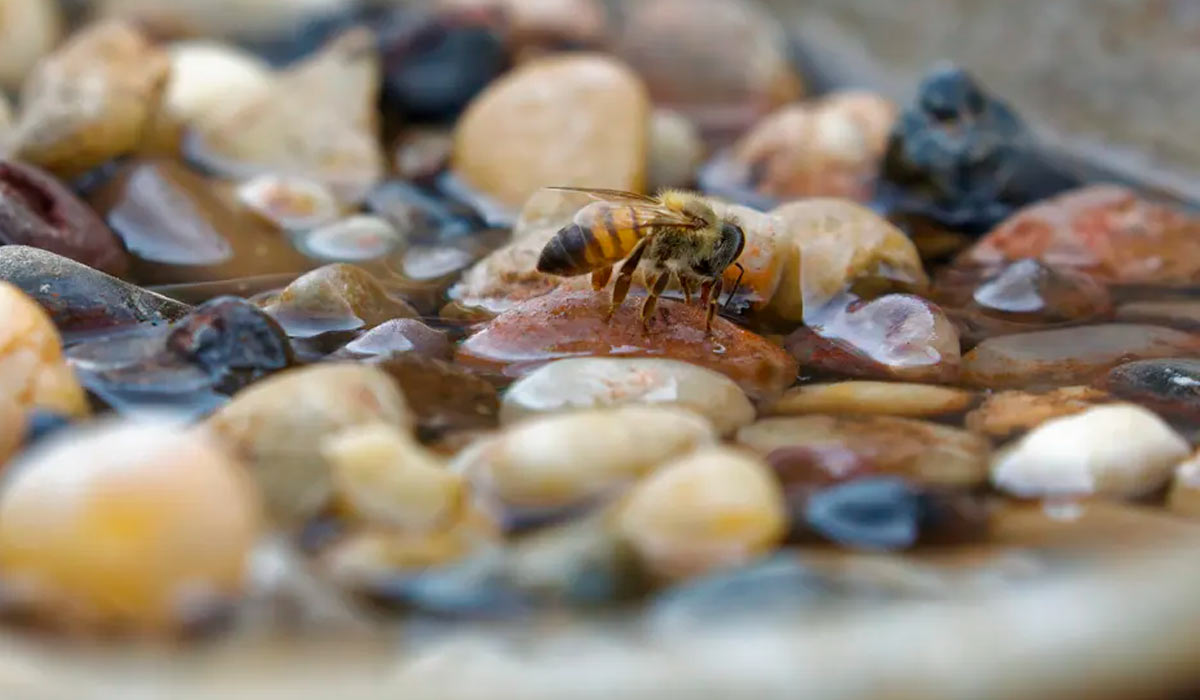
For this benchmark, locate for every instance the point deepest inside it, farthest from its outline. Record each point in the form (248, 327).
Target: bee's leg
(705, 292)
(601, 277)
(685, 283)
(717, 286)
(656, 288)
(625, 276)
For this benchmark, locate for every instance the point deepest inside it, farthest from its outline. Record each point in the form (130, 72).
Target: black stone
(1170, 386)
(232, 341)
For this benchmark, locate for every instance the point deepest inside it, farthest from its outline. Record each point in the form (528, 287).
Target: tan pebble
(1007, 412)
(1184, 496)
(1116, 450)
(278, 425)
(383, 475)
(884, 398)
(33, 373)
(128, 524)
(716, 508)
(29, 29)
(676, 150)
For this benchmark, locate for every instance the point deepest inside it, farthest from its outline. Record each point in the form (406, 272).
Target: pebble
(1105, 231)
(395, 337)
(207, 77)
(715, 509)
(91, 100)
(138, 526)
(949, 149)
(604, 382)
(568, 324)
(1184, 496)
(29, 29)
(356, 239)
(421, 153)
(723, 63)
(292, 204)
(1115, 451)
(32, 368)
(832, 245)
(1182, 314)
(676, 151)
(41, 424)
(80, 299)
(37, 210)
(897, 336)
(1170, 387)
(179, 226)
(423, 215)
(336, 297)
(554, 462)
(317, 120)
(443, 397)
(382, 475)
(927, 453)
(1004, 413)
(877, 398)
(278, 426)
(1069, 355)
(828, 147)
(580, 119)
(534, 27)
(243, 19)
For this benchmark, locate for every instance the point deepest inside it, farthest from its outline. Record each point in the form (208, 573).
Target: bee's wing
(607, 195)
(641, 218)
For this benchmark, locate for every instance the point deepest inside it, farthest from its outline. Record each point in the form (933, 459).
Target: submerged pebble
(1170, 386)
(335, 298)
(31, 362)
(443, 397)
(883, 398)
(1005, 413)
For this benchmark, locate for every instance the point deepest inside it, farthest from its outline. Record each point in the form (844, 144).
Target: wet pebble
(570, 324)
(897, 336)
(29, 29)
(1170, 387)
(208, 77)
(1005, 413)
(317, 120)
(355, 239)
(835, 245)
(91, 100)
(1182, 313)
(31, 362)
(289, 203)
(395, 337)
(882, 398)
(1116, 450)
(578, 119)
(603, 382)
(422, 214)
(80, 299)
(1108, 232)
(174, 517)
(182, 227)
(1184, 495)
(443, 397)
(926, 453)
(555, 462)
(723, 63)
(335, 298)
(1069, 355)
(278, 426)
(676, 151)
(717, 508)
(421, 153)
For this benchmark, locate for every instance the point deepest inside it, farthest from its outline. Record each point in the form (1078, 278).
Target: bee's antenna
(738, 283)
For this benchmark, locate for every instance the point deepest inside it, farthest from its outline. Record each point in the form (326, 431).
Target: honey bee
(677, 235)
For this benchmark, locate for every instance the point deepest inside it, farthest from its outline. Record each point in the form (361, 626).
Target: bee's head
(733, 238)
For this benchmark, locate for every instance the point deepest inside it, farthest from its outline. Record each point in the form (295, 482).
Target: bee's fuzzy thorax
(689, 203)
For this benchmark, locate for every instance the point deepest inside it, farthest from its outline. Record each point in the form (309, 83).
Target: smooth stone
(828, 147)
(208, 77)
(536, 27)
(90, 101)
(293, 204)
(318, 120)
(1182, 314)
(173, 515)
(570, 324)
(1170, 387)
(236, 19)
(1005, 413)
(897, 336)
(676, 151)
(337, 297)
(961, 159)
(82, 300)
(604, 382)
(421, 153)
(1108, 232)
(382, 475)
(723, 63)
(878, 514)
(279, 425)
(1115, 451)
(562, 460)
(1069, 355)
(355, 239)
(714, 509)
(878, 398)
(29, 29)
(1183, 497)
(38, 210)
(395, 337)
(579, 119)
(423, 215)
(1094, 526)
(442, 396)
(928, 453)
(179, 226)
(835, 245)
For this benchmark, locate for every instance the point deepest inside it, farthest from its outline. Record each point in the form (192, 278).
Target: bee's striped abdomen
(603, 233)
